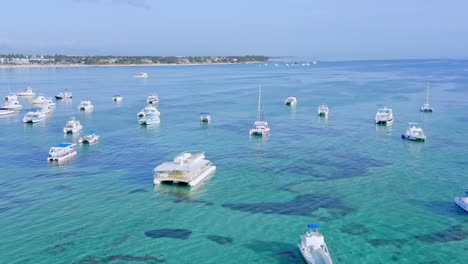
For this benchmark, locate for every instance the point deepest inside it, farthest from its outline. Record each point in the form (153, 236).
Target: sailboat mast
(259, 102)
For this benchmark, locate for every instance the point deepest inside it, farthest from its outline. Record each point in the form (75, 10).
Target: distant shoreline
(115, 65)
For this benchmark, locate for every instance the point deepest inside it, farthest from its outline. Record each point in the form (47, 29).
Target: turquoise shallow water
(378, 199)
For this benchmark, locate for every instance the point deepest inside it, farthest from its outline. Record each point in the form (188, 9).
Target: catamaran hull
(384, 122)
(194, 182)
(62, 158)
(459, 202)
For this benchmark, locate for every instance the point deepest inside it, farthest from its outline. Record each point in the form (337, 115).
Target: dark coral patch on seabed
(137, 191)
(222, 240)
(453, 233)
(169, 233)
(123, 257)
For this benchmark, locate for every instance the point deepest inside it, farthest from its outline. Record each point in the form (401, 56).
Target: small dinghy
(89, 137)
(205, 117)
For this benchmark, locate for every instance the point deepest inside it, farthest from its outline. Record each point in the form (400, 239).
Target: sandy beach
(4, 66)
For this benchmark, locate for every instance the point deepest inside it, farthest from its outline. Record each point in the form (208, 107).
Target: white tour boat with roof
(89, 137)
(205, 117)
(61, 152)
(384, 116)
(290, 101)
(12, 104)
(36, 115)
(323, 110)
(117, 98)
(189, 167)
(260, 127)
(426, 107)
(153, 99)
(85, 105)
(72, 126)
(149, 109)
(414, 133)
(64, 95)
(27, 92)
(462, 201)
(11, 97)
(149, 119)
(141, 75)
(313, 246)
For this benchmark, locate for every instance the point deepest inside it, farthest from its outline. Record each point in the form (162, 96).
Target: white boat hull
(6, 112)
(62, 158)
(196, 181)
(463, 205)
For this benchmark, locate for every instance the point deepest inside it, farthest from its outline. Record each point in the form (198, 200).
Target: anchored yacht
(61, 152)
(153, 99)
(6, 111)
(322, 110)
(85, 105)
(414, 133)
(64, 95)
(189, 167)
(39, 100)
(149, 119)
(149, 109)
(37, 115)
(426, 107)
(12, 104)
(260, 127)
(313, 247)
(117, 98)
(27, 92)
(89, 137)
(141, 75)
(462, 201)
(290, 101)
(72, 126)
(384, 116)
(205, 117)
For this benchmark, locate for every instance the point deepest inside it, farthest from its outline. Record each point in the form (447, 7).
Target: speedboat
(6, 111)
(313, 246)
(149, 109)
(117, 98)
(414, 133)
(39, 100)
(12, 104)
(11, 97)
(462, 201)
(141, 75)
(426, 107)
(89, 137)
(205, 117)
(322, 110)
(64, 95)
(189, 167)
(153, 99)
(27, 92)
(61, 152)
(85, 105)
(149, 119)
(49, 102)
(34, 116)
(290, 101)
(384, 116)
(72, 126)
(260, 127)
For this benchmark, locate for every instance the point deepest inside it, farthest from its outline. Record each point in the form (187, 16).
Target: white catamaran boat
(153, 99)
(27, 92)
(149, 119)
(313, 246)
(260, 127)
(414, 133)
(12, 104)
(37, 115)
(141, 75)
(462, 201)
(426, 107)
(149, 109)
(11, 97)
(205, 117)
(323, 110)
(72, 126)
(85, 105)
(290, 101)
(64, 95)
(189, 167)
(89, 137)
(61, 152)
(384, 116)
(117, 98)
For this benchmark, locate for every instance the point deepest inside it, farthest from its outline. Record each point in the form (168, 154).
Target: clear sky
(323, 29)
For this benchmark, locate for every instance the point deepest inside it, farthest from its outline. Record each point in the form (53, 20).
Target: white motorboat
(85, 105)
(49, 102)
(189, 167)
(414, 133)
(323, 110)
(39, 100)
(61, 152)
(27, 92)
(64, 95)
(11, 97)
(205, 117)
(141, 75)
(12, 104)
(89, 137)
(117, 98)
(313, 246)
(426, 107)
(37, 115)
(260, 127)
(462, 201)
(153, 99)
(384, 116)
(72, 126)
(290, 101)
(6, 111)
(149, 109)
(149, 119)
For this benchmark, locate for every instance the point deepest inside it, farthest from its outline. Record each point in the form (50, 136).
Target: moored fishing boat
(61, 152)
(313, 247)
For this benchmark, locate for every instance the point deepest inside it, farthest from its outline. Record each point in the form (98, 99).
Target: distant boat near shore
(142, 75)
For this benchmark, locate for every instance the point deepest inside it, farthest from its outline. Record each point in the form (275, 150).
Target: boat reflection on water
(382, 130)
(258, 139)
(182, 192)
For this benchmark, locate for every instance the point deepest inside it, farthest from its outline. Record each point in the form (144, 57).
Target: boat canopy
(204, 113)
(37, 109)
(64, 145)
(466, 192)
(312, 226)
